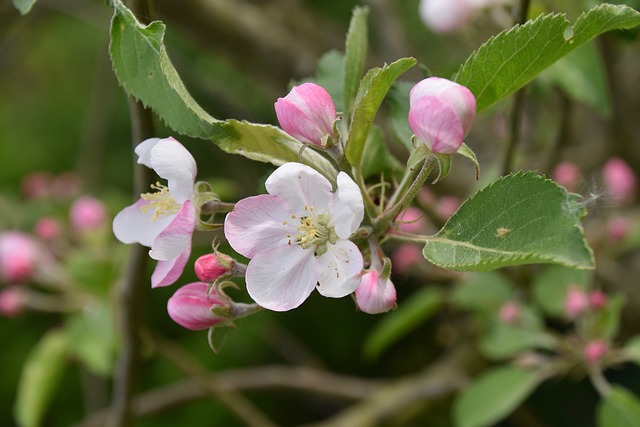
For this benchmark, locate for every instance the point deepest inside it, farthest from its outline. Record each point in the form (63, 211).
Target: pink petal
(190, 306)
(298, 186)
(375, 294)
(347, 210)
(177, 235)
(459, 97)
(436, 124)
(258, 223)
(167, 272)
(174, 163)
(282, 278)
(297, 123)
(340, 269)
(133, 226)
(316, 102)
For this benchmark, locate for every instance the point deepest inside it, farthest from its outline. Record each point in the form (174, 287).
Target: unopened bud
(567, 174)
(618, 228)
(11, 301)
(597, 300)
(18, 256)
(594, 351)
(405, 257)
(576, 301)
(376, 293)
(509, 312)
(48, 229)
(87, 213)
(412, 220)
(620, 180)
(211, 267)
(193, 308)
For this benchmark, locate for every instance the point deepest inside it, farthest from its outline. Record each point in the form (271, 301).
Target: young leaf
(376, 158)
(513, 58)
(397, 324)
(24, 6)
(144, 70)
(373, 88)
(41, 374)
(552, 284)
(399, 109)
(620, 408)
(631, 350)
(483, 292)
(522, 218)
(493, 396)
(355, 57)
(504, 341)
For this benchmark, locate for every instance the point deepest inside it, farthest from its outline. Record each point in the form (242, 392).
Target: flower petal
(174, 163)
(340, 269)
(347, 210)
(177, 235)
(258, 223)
(131, 225)
(167, 272)
(436, 124)
(316, 103)
(143, 150)
(190, 306)
(282, 278)
(297, 123)
(300, 186)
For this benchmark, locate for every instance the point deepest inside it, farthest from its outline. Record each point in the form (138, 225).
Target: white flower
(297, 237)
(163, 220)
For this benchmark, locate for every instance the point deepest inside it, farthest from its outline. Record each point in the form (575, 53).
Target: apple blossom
(163, 220)
(307, 113)
(297, 237)
(441, 113)
(620, 180)
(18, 256)
(191, 306)
(87, 213)
(376, 293)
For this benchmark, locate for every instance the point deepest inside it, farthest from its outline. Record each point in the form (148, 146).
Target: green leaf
(483, 292)
(356, 47)
(376, 158)
(393, 326)
(552, 284)
(24, 6)
(329, 75)
(444, 166)
(504, 341)
(467, 152)
(582, 76)
(40, 377)
(510, 60)
(266, 143)
(493, 396)
(399, 110)
(373, 88)
(144, 70)
(631, 349)
(620, 408)
(521, 218)
(604, 324)
(92, 337)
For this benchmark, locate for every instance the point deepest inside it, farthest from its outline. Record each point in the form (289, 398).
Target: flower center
(161, 200)
(313, 230)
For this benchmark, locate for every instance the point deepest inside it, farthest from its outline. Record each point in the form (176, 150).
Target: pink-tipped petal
(258, 223)
(347, 210)
(282, 278)
(340, 269)
(436, 124)
(167, 272)
(174, 163)
(316, 102)
(177, 235)
(297, 124)
(190, 306)
(375, 294)
(131, 225)
(298, 186)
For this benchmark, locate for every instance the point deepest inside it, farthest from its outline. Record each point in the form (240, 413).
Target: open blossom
(297, 237)
(307, 113)
(165, 219)
(191, 306)
(441, 113)
(620, 180)
(376, 293)
(18, 256)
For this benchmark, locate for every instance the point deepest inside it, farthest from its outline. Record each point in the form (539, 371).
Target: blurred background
(65, 134)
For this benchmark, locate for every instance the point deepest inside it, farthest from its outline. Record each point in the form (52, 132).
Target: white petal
(143, 150)
(177, 235)
(258, 223)
(133, 226)
(282, 278)
(340, 269)
(167, 272)
(174, 163)
(299, 186)
(347, 210)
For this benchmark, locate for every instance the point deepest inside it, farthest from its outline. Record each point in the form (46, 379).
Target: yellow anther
(161, 201)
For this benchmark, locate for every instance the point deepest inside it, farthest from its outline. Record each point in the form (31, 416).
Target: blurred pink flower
(567, 174)
(620, 180)
(441, 113)
(594, 351)
(406, 256)
(87, 213)
(18, 256)
(510, 312)
(618, 228)
(597, 299)
(48, 229)
(307, 113)
(447, 206)
(12, 301)
(191, 306)
(65, 186)
(445, 16)
(576, 301)
(36, 185)
(412, 220)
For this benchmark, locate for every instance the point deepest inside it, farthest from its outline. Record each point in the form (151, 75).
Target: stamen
(161, 201)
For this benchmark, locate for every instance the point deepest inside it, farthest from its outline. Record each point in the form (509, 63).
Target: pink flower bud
(510, 312)
(441, 113)
(87, 213)
(447, 206)
(18, 256)
(597, 300)
(307, 113)
(567, 174)
(36, 185)
(191, 307)
(11, 301)
(375, 293)
(595, 351)
(65, 186)
(576, 301)
(211, 267)
(445, 16)
(620, 180)
(48, 229)
(412, 220)
(618, 228)
(406, 256)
